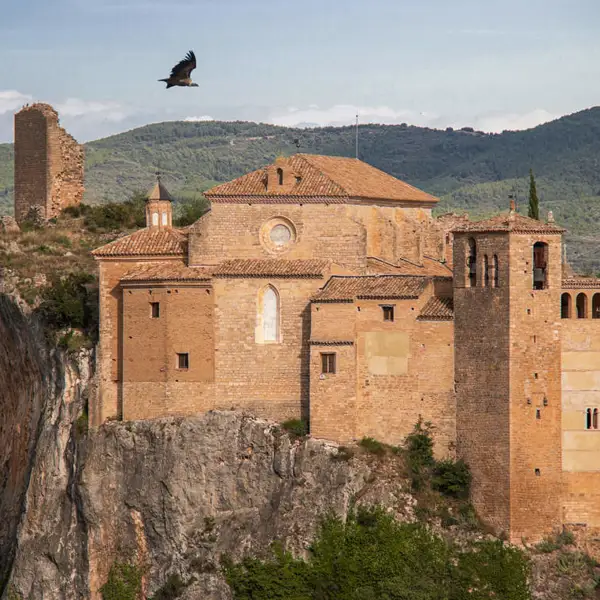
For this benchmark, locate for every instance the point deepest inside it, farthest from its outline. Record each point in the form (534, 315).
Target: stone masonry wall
(109, 402)
(383, 381)
(343, 233)
(267, 378)
(481, 359)
(153, 383)
(49, 163)
(535, 391)
(580, 446)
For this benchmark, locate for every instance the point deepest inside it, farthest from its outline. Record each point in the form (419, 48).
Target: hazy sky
(491, 64)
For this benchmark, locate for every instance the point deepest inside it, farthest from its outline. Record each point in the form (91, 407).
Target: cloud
(75, 107)
(202, 118)
(11, 100)
(345, 114)
(340, 114)
(498, 122)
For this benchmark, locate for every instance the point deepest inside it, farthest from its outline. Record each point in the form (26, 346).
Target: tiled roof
(430, 267)
(283, 199)
(146, 242)
(343, 288)
(512, 222)
(271, 267)
(437, 309)
(159, 192)
(168, 272)
(322, 177)
(580, 283)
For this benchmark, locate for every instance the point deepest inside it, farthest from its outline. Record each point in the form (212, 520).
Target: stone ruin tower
(48, 165)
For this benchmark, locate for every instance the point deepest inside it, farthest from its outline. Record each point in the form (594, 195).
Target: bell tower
(507, 293)
(159, 209)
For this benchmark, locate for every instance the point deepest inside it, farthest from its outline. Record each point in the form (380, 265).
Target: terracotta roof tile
(323, 177)
(283, 199)
(580, 283)
(168, 272)
(509, 222)
(146, 242)
(437, 309)
(430, 267)
(343, 288)
(313, 269)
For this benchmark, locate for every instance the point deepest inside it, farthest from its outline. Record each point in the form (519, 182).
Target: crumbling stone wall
(48, 164)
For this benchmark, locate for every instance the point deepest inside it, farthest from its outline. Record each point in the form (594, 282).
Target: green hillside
(468, 170)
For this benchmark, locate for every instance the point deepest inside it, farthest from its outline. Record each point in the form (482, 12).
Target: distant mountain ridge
(468, 170)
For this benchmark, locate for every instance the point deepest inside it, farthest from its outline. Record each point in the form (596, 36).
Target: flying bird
(180, 74)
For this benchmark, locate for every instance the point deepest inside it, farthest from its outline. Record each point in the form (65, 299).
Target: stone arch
(540, 266)
(582, 306)
(269, 315)
(566, 306)
(472, 263)
(596, 306)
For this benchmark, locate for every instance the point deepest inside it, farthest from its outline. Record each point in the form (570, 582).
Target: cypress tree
(534, 205)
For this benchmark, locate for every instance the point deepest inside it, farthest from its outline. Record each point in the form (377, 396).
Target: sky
(488, 64)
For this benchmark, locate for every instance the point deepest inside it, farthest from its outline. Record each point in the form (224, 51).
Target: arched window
(596, 306)
(588, 418)
(581, 306)
(595, 419)
(540, 265)
(496, 272)
(155, 219)
(565, 306)
(164, 218)
(472, 263)
(280, 176)
(270, 315)
(486, 271)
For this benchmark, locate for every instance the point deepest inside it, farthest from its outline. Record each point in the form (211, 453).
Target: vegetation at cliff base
(372, 556)
(124, 583)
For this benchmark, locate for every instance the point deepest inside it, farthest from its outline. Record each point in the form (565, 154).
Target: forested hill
(466, 169)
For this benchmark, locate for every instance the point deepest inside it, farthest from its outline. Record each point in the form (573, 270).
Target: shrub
(190, 211)
(372, 556)
(452, 478)
(124, 583)
(419, 453)
(69, 303)
(173, 588)
(116, 215)
(373, 446)
(295, 427)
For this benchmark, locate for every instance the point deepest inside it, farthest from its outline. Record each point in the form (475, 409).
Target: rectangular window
(328, 363)
(183, 361)
(388, 313)
(154, 310)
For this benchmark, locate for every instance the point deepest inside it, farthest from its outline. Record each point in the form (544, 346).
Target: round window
(280, 235)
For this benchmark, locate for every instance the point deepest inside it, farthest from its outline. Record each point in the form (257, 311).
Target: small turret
(159, 210)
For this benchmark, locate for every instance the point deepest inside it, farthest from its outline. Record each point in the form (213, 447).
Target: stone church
(322, 288)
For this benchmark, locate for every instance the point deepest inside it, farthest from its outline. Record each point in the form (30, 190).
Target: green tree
(534, 205)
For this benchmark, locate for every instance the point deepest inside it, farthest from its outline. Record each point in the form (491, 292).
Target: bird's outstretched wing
(184, 67)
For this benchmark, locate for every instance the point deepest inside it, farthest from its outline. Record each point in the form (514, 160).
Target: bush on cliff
(372, 556)
(71, 302)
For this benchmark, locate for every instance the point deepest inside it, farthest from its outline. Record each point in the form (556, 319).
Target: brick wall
(383, 382)
(481, 359)
(535, 374)
(153, 383)
(343, 233)
(270, 379)
(108, 403)
(49, 163)
(507, 356)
